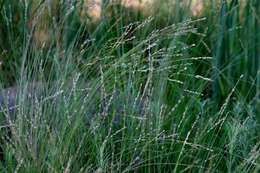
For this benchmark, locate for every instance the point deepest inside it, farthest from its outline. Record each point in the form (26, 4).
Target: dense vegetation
(157, 91)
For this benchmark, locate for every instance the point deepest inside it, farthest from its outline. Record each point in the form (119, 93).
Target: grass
(131, 93)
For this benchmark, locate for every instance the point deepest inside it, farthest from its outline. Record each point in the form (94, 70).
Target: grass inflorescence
(172, 88)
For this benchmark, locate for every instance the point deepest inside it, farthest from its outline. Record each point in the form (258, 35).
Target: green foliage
(131, 93)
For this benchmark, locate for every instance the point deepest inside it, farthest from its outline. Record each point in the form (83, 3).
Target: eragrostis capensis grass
(19, 104)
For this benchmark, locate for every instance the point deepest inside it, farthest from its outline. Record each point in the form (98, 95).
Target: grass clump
(131, 93)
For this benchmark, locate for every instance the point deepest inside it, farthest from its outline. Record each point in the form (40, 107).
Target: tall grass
(165, 93)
